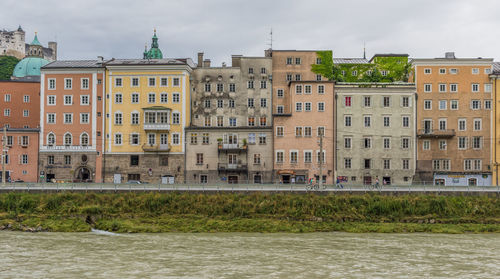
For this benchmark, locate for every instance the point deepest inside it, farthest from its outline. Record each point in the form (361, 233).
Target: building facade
(454, 120)
(12, 43)
(147, 110)
(20, 114)
(230, 138)
(71, 121)
(495, 130)
(375, 133)
(303, 118)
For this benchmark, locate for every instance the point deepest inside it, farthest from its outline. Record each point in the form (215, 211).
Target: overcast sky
(220, 28)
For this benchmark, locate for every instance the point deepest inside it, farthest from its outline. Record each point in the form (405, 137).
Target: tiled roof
(496, 68)
(350, 61)
(167, 61)
(73, 64)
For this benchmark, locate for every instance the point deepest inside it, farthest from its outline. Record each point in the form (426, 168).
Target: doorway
(472, 181)
(83, 175)
(367, 180)
(50, 177)
(285, 179)
(232, 179)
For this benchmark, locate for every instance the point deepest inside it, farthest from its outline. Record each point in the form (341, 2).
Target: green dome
(155, 53)
(29, 66)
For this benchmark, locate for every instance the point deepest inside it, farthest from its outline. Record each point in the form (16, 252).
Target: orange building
(20, 106)
(454, 119)
(71, 120)
(303, 111)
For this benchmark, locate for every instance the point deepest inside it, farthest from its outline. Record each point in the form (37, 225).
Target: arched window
(51, 139)
(68, 139)
(84, 139)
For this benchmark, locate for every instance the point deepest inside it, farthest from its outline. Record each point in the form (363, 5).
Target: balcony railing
(69, 147)
(232, 147)
(232, 167)
(430, 133)
(157, 126)
(155, 147)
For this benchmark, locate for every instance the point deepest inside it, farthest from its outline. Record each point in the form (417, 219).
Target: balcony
(155, 147)
(430, 133)
(156, 127)
(232, 147)
(221, 167)
(157, 118)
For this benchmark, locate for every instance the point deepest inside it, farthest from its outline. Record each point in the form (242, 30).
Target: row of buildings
(284, 117)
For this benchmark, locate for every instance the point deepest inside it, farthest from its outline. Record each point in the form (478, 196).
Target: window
(68, 118)
(487, 71)
(151, 98)
(386, 101)
(176, 118)
(250, 84)
(462, 143)
(26, 113)
(321, 88)
(367, 142)
(68, 99)
(208, 121)
(207, 103)
(321, 106)
(118, 98)
(118, 139)
(442, 105)
(251, 121)
(442, 144)
(68, 83)
(387, 121)
(220, 121)
(347, 163)
(203, 179)
(205, 138)
(427, 71)
(280, 130)
(263, 121)
(118, 118)
(279, 156)
(68, 139)
(134, 118)
(263, 84)
(406, 121)
(367, 120)
(26, 99)
(50, 159)
(152, 81)
(251, 138)
(454, 71)
(85, 83)
(405, 102)
(475, 104)
(442, 87)
(194, 138)
(163, 98)
(354, 73)
(454, 104)
(84, 118)
(442, 71)
(320, 157)
(51, 118)
(347, 120)
(347, 101)
(462, 124)
(256, 159)
(135, 98)
(288, 77)
(367, 164)
(307, 131)
(307, 89)
(24, 159)
(279, 93)
(347, 142)
(151, 139)
(52, 84)
(250, 102)
(134, 160)
(263, 70)
(199, 158)
(262, 138)
(6, 112)
(318, 61)
(475, 87)
(307, 106)
(477, 142)
(487, 104)
(442, 124)
(297, 61)
(453, 87)
(118, 82)
(134, 139)
(320, 131)
(477, 124)
(318, 77)
(220, 87)
(208, 87)
(176, 82)
(232, 122)
(298, 89)
(405, 143)
(176, 98)
(293, 157)
(475, 71)
(367, 101)
(387, 143)
(263, 103)
(289, 60)
(250, 70)
(307, 156)
(387, 164)
(426, 145)
(280, 109)
(406, 164)
(232, 87)
(487, 87)
(383, 73)
(427, 104)
(135, 82)
(427, 87)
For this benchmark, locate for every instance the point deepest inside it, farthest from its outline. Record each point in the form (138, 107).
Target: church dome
(29, 66)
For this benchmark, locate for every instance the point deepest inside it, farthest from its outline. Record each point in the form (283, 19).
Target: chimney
(206, 63)
(53, 46)
(268, 52)
(449, 55)
(100, 59)
(200, 59)
(236, 61)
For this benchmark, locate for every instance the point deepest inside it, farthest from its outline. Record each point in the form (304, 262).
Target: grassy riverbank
(257, 212)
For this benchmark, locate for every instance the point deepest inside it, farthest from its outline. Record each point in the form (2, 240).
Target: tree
(7, 65)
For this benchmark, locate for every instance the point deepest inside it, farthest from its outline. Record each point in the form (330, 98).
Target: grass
(256, 212)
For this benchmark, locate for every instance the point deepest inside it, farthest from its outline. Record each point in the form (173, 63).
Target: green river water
(248, 255)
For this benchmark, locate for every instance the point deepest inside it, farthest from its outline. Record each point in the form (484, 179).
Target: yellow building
(147, 108)
(495, 80)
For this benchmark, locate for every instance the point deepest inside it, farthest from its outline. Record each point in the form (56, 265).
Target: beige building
(375, 133)
(230, 139)
(454, 120)
(303, 116)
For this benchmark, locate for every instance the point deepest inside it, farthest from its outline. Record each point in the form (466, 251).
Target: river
(248, 255)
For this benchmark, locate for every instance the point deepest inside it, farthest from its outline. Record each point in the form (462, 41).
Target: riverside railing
(105, 187)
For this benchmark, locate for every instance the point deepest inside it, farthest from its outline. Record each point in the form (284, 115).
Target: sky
(221, 28)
